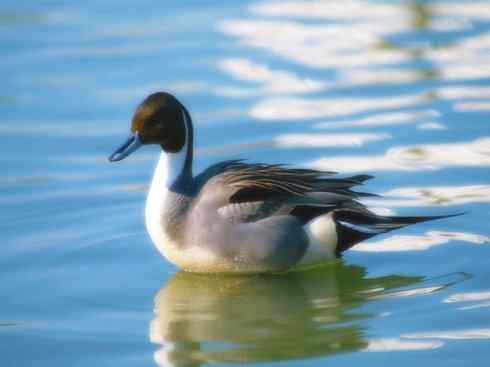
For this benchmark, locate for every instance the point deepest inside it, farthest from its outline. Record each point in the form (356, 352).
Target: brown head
(160, 119)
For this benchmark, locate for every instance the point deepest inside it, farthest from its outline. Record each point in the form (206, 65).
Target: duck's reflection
(202, 319)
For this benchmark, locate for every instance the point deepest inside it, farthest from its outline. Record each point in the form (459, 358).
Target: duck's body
(200, 229)
(238, 217)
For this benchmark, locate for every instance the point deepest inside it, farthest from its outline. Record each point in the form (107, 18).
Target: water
(396, 89)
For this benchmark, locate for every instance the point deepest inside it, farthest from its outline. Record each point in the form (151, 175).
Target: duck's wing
(242, 192)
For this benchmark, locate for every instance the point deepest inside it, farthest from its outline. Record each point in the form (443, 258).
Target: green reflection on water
(421, 14)
(203, 319)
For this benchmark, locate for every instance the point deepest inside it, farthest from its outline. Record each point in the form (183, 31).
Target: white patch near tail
(322, 235)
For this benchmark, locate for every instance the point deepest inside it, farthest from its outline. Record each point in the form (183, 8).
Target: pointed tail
(355, 226)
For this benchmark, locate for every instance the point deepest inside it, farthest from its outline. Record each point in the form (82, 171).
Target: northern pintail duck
(243, 217)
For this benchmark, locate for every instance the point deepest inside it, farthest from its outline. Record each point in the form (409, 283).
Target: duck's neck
(176, 168)
(172, 169)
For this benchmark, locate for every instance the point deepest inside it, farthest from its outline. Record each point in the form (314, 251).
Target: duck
(241, 217)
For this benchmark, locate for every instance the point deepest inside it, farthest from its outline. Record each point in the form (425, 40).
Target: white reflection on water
(288, 108)
(352, 40)
(381, 119)
(327, 140)
(475, 10)
(417, 157)
(397, 344)
(468, 296)
(417, 341)
(463, 92)
(286, 141)
(482, 299)
(315, 45)
(431, 126)
(419, 291)
(426, 287)
(451, 334)
(472, 106)
(350, 9)
(466, 59)
(271, 81)
(418, 243)
(472, 307)
(357, 46)
(436, 195)
(349, 40)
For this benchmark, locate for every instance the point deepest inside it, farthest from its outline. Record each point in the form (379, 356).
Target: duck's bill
(129, 146)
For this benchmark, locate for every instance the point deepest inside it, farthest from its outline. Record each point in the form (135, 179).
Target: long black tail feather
(355, 226)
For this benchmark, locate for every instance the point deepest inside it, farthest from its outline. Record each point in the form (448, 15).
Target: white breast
(155, 204)
(170, 166)
(192, 258)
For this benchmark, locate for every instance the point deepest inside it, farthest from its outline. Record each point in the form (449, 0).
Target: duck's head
(160, 119)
